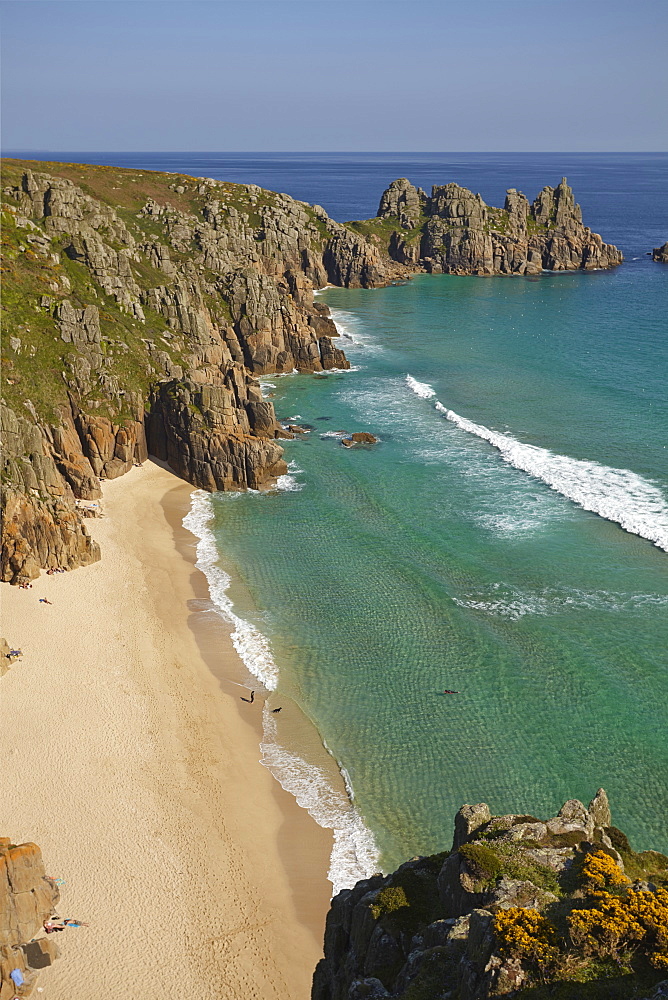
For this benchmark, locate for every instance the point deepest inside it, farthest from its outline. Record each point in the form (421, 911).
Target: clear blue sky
(276, 75)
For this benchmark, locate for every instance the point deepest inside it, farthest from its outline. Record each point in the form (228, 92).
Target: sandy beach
(131, 760)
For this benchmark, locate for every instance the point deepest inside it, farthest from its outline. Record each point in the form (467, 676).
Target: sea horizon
(442, 333)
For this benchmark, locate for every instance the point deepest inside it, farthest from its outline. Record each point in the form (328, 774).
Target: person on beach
(51, 927)
(43, 600)
(251, 699)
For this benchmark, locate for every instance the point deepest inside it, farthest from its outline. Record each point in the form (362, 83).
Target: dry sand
(133, 764)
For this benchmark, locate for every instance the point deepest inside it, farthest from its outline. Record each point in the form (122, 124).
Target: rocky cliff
(661, 253)
(453, 231)
(517, 902)
(27, 899)
(137, 309)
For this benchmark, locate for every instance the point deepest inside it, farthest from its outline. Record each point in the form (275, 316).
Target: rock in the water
(661, 253)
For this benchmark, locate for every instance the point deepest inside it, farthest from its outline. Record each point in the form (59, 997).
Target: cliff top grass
(127, 190)
(34, 355)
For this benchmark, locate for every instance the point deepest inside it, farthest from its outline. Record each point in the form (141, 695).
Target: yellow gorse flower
(639, 919)
(600, 871)
(525, 934)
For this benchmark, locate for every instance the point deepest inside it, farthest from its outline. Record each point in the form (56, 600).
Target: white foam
(251, 645)
(350, 327)
(354, 855)
(338, 371)
(421, 389)
(510, 602)
(288, 484)
(619, 495)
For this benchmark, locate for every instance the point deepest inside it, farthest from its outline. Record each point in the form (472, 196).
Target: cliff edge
(138, 309)
(558, 908)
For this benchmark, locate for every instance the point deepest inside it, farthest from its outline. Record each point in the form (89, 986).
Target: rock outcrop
(459, 234)
(661, 253)
(139, 307)
(430, 930)
(27, 899)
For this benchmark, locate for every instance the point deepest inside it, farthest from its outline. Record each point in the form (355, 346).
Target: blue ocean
(506, 539)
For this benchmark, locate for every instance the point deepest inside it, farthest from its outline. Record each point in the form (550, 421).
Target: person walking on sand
(251, 699)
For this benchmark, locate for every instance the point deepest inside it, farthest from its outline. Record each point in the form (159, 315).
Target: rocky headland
(453, 231)
(27, 899)
(520, 906)
(140, 307)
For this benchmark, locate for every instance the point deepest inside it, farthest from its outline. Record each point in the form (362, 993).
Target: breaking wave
(619, 495)
(251, 645)
(354, 854)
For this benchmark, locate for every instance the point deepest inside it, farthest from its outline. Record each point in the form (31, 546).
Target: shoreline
(136, 770)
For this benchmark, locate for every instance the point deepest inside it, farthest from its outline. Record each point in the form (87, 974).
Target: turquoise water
(431, 561)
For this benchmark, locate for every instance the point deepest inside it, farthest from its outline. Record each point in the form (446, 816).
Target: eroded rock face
(27, 899)
(210, 297)
(212, 438)
(427, 929)
(404, 201)
(463, 235)
(661, 254)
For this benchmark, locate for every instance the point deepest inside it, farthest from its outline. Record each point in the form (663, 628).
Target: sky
(335, 75)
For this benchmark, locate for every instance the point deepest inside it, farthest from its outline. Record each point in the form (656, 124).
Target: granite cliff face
(470, 923)
(27, 899)
(453, 231)
(138, 307)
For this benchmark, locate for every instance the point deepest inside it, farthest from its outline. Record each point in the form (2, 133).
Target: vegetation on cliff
(519, 906)
(453, 231)
(139, 306)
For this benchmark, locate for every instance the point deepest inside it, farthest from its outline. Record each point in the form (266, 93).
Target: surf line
(618, 495)
(354, 852)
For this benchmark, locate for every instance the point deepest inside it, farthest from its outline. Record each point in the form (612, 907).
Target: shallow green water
(432, 562)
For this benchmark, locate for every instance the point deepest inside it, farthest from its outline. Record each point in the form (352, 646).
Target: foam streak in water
(251, 645)
(354, 855)
(620, 495)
